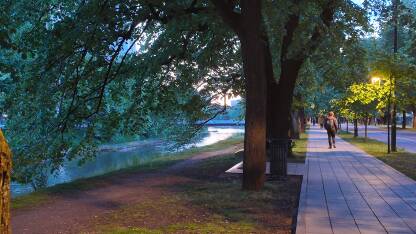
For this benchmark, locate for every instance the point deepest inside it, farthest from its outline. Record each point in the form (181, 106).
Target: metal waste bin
(278, 152)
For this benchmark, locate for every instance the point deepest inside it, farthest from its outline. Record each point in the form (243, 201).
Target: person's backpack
(329, 124)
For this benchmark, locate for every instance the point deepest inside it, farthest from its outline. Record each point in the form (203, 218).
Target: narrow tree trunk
(302, 120)
(414, 120)
(254, 165)
(414, 117)
(294, 126)
(365, 126)
(347, 124)
(355, 127)
(5, 169)
(404, 120)
(340, 123)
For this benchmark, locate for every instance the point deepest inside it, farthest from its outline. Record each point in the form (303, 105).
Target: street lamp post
(393, 78)
(377, 80)
(389, 117)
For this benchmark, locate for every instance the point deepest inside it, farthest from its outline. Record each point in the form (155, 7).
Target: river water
(126, 155)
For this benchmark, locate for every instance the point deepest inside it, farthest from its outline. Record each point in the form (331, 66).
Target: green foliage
(87, 72)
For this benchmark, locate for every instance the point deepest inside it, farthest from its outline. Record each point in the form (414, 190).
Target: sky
(358, 1)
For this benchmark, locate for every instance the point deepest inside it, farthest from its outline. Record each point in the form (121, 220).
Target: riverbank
(191, 196)
(157, 162)
(187, 193)
(126, 153)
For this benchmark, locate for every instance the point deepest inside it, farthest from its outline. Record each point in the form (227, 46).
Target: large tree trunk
(247, 26)
(5, 169)
(283, 93)
(254, 165)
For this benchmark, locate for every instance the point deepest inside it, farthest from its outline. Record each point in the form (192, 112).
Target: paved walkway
(345, 190)
(405, 139)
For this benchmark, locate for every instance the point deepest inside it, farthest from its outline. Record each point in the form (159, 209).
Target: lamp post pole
(389, 116)
(393, 80)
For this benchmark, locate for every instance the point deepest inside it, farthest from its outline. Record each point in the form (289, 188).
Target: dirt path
(78, 211)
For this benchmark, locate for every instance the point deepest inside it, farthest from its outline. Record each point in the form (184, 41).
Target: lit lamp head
(375, 80)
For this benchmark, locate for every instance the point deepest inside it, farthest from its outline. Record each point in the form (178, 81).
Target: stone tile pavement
(345, 190)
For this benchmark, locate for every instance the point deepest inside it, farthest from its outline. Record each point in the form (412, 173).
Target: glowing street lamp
(376, 80)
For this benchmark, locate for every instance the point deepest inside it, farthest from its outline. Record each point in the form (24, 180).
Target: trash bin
(278, 152)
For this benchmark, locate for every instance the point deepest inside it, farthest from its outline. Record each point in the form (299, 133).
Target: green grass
(402, 161)
(214, 226)
(399, 128)
(299, 150)
(407, 129)
(155, 163)
(29, 200)
(212, 205)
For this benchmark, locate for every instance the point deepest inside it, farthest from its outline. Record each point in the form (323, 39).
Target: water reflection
(112, 159)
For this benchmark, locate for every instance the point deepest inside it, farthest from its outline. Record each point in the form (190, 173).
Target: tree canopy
(74, 74)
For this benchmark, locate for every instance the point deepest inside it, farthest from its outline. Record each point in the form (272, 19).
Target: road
(406, 139)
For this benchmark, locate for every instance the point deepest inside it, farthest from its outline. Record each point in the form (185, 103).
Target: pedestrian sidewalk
(345, 190)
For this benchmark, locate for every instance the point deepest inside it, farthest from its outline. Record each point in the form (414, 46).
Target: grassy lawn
(299, 150)
(211, 202)
(156, 163)
(402, 161)
(407, 129)
(399, 128)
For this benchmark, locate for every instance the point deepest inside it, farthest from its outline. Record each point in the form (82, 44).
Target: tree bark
(294, 126)
(365, 126)
(254, 165)
(247, 26)
(394, 128)
(414, 120)
(302, 120)
(355, 127)
(346, 120)
(414, 116)
(340, 123)
(404, 120)
(283, 93)
(5, 169)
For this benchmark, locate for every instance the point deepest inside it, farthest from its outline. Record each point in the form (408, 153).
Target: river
(116, 157)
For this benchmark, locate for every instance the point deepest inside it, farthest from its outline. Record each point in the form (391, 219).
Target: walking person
(331, 126)
(321, 121)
